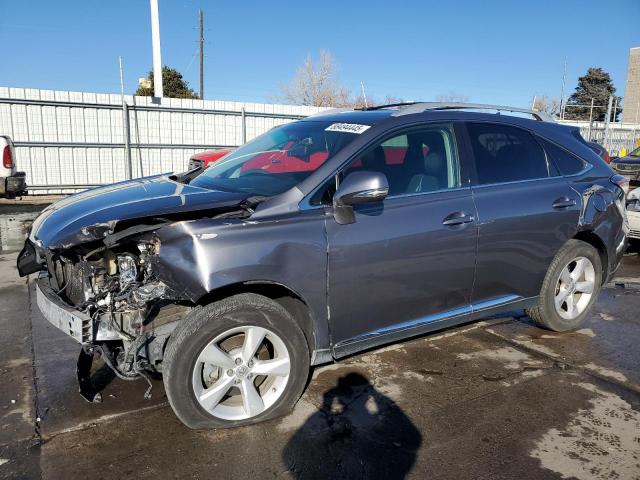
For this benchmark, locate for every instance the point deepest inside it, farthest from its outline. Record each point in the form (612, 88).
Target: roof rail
(330, 111)
(388, 105)
(426, 106)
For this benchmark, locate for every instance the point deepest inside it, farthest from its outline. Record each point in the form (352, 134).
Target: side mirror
(358, 188)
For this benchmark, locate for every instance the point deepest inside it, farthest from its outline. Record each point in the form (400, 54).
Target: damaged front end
(109, 299)
(97, 253)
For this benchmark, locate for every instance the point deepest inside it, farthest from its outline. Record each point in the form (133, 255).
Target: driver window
(419, 160)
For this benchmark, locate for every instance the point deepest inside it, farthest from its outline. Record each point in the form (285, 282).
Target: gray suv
(322, 238)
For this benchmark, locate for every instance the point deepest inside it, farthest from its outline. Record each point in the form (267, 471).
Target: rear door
(526, 212)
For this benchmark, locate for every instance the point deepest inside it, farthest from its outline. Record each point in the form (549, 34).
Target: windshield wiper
(250, 203)
(187, 176)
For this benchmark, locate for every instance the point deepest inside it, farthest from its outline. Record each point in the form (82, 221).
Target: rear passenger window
(506, 154)
(567, 163)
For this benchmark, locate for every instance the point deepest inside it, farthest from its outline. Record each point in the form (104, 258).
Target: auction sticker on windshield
(347, 128)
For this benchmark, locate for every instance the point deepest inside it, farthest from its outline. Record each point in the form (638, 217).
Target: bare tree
(452, 97)
(547, 105)
(316, 84)
(390, 100)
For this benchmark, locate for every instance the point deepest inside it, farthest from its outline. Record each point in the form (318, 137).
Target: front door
(409, 260)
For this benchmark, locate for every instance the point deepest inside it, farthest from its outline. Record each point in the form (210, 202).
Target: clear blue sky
(498, 51)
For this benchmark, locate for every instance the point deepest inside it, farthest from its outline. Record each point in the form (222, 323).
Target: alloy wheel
(241, 373)
(575, 288)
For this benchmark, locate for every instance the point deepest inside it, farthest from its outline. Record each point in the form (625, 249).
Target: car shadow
(357, 433)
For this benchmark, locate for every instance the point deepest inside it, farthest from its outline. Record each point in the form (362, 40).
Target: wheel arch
(287, 297)
(590, 237)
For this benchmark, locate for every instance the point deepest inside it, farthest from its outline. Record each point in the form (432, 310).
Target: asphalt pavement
(494, 399)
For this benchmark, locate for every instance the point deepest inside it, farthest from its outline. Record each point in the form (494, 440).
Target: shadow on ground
(357, 433)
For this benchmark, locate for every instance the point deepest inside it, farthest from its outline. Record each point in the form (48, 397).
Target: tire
(545, 313)
(185, 373)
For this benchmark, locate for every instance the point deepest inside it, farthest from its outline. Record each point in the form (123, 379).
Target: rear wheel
(570, 287)
(234, 362)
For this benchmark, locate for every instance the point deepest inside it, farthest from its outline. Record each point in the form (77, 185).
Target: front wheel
(234, 362)
(570, 287)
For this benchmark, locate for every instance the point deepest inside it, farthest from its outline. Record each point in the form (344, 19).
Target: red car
(283, 162)
(204, 159)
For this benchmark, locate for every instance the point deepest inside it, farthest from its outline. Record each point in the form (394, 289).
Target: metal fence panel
(620, 135)
(66, 141)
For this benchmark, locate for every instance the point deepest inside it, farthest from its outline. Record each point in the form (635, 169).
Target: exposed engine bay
(131, 313)
(104, 289)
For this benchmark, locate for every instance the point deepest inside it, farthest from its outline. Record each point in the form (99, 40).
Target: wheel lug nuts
(230, 372)
(250, 363)
(238, 361)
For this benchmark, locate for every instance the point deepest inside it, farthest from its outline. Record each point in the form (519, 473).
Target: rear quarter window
(566, 162)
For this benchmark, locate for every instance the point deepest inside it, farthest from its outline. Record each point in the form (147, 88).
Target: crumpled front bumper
(77, 325)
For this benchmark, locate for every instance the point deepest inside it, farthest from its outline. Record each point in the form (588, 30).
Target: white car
(12, 183)
(633, 215)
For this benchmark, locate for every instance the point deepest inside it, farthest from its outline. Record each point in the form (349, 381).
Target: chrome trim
(429, 106)
(431, 323)
(478, 307)
(529, 180)
(456, 312)
(304, 203)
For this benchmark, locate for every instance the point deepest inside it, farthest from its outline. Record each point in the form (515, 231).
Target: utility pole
(364, 95)
(605, 142)
(201, 57)
(564, 79)
(125, 125)
(155, 42)
(590, 118)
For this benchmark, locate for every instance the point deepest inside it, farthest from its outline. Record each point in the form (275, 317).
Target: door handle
(457, 218)
(564, 202)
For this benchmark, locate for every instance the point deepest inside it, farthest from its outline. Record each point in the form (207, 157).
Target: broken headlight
(128, 270)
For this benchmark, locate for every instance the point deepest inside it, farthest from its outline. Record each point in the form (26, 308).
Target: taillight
(621, 182)
(607, 157)
(7, 159)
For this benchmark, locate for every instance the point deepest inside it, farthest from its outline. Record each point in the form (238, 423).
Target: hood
(628, 159)
(93, 214)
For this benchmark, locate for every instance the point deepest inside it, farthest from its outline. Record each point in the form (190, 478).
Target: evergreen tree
(595, 84)
(173, 85)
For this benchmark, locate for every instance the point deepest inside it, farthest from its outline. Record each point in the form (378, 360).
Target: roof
(368, 117)
(373, 115)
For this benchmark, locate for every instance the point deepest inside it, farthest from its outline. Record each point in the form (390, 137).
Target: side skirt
(431, 323)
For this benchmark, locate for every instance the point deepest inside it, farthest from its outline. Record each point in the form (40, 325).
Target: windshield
(280, 159)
